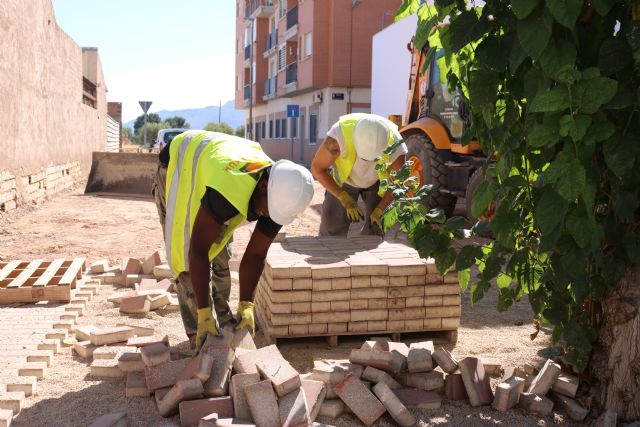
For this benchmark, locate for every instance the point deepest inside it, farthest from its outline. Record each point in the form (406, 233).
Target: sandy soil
(112, 227)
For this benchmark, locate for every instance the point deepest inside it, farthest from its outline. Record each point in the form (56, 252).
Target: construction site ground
(112, 227)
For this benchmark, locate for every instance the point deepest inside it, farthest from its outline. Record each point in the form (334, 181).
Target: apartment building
(313, 56)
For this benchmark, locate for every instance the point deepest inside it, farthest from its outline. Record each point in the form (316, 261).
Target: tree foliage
(151, 118)
(552, 89)
(240, 131)
(219, 127)
(177, 122)
(152, 133)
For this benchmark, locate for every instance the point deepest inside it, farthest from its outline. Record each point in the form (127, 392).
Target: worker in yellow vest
(214, 183)
(345, 165)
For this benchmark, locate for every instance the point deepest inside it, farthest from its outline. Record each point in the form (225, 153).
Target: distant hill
(199, 117)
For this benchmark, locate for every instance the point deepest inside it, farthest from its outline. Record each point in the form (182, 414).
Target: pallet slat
(44, 279)
(8, 268)
(73, 272)
(25, 274)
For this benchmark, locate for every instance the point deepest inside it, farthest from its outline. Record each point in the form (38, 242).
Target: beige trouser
(220, 287)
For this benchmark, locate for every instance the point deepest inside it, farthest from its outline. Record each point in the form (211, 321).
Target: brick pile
(30, 337)
(332, 286)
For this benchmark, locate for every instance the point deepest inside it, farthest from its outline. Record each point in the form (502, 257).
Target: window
(247, 36)
(257, 135)
(283, 125)
(294, 127)
(282, 56)
(271, 135)
(253, 69)
(277, 128)
(255, 30)
(313, 128)
(282, 9)
(264, 128)
(307, 45)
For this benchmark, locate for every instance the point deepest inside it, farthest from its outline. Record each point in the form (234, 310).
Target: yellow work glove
(376, 217)
(207, 324)
(245, 310)
(351, 206)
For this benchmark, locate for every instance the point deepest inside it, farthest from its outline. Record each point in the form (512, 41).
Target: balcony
(247, 93)
(259, 9)
(271, 44)
(292, 23)
(247, 52)
(291, 78)
(270, 87)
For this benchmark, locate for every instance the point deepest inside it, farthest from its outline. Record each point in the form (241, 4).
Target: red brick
(12, 400)
(183, 390)
(164, 375)
(246, 363)
(476, 381)
(148, 340)
(396, 409)
(155, 354)
(314, 393)
(454, 387)
(566, 384)
(376, 375)
(423, 380)
(238, 384)
(106, 336)
(445, 360)
(242, 339)
(416, 398)
(359, 399)
(84, 349)
(535, 404)
(135, 304)
(284, 378)
(332, 408)
(545, 379)
(136, 385)
(210, 420)
(131, 362)
(508, 394)
(118, 419)
(575, 411)
(150, 263)
(333, 371)
(263, 404)
(199, 367)
(293, 409)
(130, 266)
(218, 383)
(419, 357)
(193, 410)
(385, 360)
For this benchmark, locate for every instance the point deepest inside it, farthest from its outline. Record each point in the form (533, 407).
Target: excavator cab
(434, 123)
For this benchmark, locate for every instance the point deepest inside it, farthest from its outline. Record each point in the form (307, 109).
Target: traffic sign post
(145, 105)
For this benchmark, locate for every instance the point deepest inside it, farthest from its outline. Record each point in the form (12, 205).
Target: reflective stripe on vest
(345, 161)
(230, 165)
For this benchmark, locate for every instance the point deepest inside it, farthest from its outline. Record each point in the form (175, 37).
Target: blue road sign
(293, 111)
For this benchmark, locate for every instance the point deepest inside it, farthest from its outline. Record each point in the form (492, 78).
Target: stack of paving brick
(30, 337)
(336, 286)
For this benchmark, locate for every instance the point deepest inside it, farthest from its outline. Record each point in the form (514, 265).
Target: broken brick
(282, 375)
(445, 360)
(314, 393)
(183, 390)
(164, 375)
(535, 404)
(199, 367)
(218, 382)
(155, 354)
(419, 357)
(293, 409)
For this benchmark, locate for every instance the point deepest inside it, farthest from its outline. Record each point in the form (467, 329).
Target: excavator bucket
(124, 173)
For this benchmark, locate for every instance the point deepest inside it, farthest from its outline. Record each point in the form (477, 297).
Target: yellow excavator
(432, 126)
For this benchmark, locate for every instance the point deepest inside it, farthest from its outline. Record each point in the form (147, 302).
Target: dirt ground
(100, 226)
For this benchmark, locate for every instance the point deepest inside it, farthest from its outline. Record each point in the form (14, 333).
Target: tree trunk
(616, 357)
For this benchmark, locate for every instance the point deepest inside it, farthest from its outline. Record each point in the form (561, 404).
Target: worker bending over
(215, 182)
(351, 147)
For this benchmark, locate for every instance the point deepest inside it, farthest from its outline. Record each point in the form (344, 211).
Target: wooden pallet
(39, 280)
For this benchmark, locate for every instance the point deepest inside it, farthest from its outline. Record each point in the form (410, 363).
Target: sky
(178, 55)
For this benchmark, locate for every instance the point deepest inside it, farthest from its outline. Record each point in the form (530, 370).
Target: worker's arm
(388, 197)
(325, 157)
(252, 263)
(205, 232)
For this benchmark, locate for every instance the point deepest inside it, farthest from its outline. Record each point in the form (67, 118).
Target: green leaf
(574, 127)
(534, 32)
(503, 281)
(566, 12)
(445, 260)
(556, 99)
(422, 33)
(544, 134)
(490, 52)
(483, 87)
(600, 130)
(567, 175)
(618, 154)
(516, 56)
(478, 290)
(550, 211)
(463, 278)
(407, 8)
(558, 58)
(602, 6)
(592, 93)
(455, 223)
(579, 227)
(465, 28)
(483, 195)
(467, 257)
(615, 56)
(522, 8)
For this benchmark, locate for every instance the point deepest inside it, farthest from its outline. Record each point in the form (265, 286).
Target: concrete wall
(391, 67)
(43, 121)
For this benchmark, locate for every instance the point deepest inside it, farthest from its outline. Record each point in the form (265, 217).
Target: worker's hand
(351, 206)
(376, 217)
(245, 310)
(207, 324)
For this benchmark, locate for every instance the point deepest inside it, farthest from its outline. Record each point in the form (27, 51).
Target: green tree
(552, 89)
(219, 127)
(128, 133)
(151, 118)
(152, 133)
(240, 131)
(177, 122)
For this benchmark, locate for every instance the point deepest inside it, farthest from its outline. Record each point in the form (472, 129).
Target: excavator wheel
(428, 166)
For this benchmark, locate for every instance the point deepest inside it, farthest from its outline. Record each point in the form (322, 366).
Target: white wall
(391, 67)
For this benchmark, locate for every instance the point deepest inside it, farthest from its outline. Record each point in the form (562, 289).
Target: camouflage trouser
(220, 288)
(334, 221)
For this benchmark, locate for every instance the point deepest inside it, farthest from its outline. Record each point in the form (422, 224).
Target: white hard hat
(289, 191)
(370, 137)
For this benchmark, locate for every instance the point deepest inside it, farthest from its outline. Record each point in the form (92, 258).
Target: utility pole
(219, 111)
(145, 105)
(251, 71)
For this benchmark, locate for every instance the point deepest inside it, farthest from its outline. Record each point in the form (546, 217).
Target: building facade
(313, 54)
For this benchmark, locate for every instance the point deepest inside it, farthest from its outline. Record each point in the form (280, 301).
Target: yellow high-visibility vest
(199, 159)
(345, 161)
